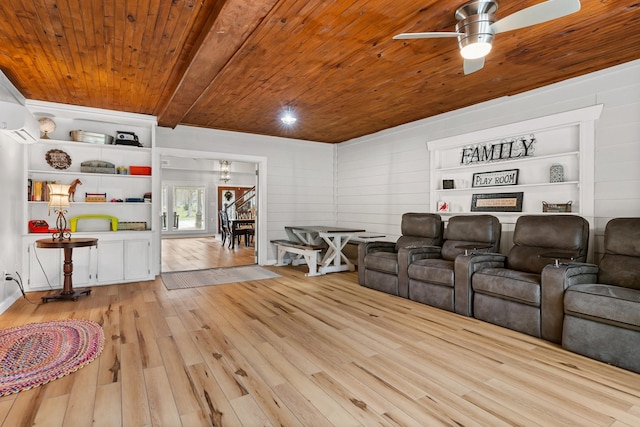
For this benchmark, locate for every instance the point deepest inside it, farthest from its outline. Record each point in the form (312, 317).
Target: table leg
(232, 243)
(67, 292)
(67, 268)
(332, 261)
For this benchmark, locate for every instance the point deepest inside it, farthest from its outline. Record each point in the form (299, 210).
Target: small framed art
(497, 202)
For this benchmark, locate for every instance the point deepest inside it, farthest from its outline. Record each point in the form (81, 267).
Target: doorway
(192, 193)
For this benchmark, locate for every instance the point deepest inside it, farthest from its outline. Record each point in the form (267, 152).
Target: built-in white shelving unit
(565, 139)
(121, 255)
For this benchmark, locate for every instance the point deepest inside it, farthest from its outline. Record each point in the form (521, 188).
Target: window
(187, 208)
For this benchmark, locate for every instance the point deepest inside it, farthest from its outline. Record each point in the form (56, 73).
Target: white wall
(383, 175)
(299, 175)
(11, 220)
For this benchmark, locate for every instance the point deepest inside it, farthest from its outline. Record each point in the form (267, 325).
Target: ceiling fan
(477, 25)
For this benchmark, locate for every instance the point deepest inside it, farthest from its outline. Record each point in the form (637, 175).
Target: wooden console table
(67, 292)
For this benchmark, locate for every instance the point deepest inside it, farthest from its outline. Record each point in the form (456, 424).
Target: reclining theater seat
(432, 280)
(602, 317)
(383, 265)
(524, 291)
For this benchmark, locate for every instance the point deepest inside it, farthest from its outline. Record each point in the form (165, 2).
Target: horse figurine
(72, 190)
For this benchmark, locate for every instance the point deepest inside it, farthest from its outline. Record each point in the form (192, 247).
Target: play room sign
(497, 178)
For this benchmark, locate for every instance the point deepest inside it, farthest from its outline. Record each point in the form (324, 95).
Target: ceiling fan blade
(473, 65)
(434, 35)
(536, 14)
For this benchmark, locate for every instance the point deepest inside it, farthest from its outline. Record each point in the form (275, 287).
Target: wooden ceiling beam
(229, 25)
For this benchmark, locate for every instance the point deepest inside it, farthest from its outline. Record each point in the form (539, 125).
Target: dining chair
(224, 226)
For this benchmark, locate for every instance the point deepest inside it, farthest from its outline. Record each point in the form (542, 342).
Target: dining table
(335, 238)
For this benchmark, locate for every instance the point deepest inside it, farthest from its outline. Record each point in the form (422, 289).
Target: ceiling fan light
(476, 35)
(475, 50)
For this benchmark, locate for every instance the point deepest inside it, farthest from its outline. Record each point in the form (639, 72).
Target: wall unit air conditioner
(17, 122)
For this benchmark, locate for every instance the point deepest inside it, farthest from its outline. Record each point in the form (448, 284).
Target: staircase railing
(242, 201)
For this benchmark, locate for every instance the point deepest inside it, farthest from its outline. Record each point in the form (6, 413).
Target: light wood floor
(320, 351)
(197, 253)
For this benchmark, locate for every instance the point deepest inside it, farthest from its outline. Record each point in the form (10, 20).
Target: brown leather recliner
(602, 316)
(432, 280)
(383, 265)
(524, 290)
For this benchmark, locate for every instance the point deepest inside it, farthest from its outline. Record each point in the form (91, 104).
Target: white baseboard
(8, 301)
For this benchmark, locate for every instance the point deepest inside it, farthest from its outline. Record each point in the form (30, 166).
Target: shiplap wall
(381, 176)
(12, 219)
(300, 176)
(379, 180)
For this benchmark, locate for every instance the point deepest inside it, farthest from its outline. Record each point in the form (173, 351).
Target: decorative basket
(97, 166)
(556, 207)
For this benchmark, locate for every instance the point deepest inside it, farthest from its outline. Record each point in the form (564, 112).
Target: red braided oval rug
(34, 354)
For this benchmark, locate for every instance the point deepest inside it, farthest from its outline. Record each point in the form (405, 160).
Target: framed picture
(443, 206)
(447, 184)
(497, 202)
(496, 178)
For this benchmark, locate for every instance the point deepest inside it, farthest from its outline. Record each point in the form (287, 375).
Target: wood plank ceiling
(235, 64)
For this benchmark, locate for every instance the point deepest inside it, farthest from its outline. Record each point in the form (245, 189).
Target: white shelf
(98, 203)
(507, 214)
(104, 175)
(498, 164)
(506, 188)
(81, 145)
(116, 234)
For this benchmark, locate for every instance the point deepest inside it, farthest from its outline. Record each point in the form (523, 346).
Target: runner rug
(37, 353)
(215, 276)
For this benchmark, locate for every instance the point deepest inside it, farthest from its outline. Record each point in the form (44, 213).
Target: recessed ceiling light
(288, 117)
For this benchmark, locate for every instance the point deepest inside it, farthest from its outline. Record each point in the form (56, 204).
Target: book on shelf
(38, 191)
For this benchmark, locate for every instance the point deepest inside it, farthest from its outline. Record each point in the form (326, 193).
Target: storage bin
(91, 137)
(140, 170)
